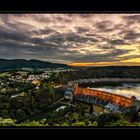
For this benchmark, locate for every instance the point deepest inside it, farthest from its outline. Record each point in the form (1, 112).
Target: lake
(128, 90)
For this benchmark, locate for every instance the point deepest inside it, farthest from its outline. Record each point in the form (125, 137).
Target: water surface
(128, 90)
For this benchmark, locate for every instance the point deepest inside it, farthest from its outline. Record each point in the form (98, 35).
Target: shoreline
(99, 80)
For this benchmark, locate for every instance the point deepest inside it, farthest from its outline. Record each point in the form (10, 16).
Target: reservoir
(125, 89)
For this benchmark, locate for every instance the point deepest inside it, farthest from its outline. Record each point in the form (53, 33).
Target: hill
(116, 71)
(14, 64)
(105, 72)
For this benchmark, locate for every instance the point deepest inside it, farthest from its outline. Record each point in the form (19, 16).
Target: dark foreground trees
(32, 102)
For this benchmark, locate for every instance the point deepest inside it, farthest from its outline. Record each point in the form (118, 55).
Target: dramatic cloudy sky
(75, 39)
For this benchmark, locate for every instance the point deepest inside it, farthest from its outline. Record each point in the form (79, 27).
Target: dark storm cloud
(72, 37)
(81, 30)
(46, 31)
(68, 37)
(15, 26)
(37, 40)
(117, 42)
(131, 35)
(104, 25)
(117, 52)
(109, 57)
(63, 19)
(17, 48)
(44, 42)
(86, 15)
(56, 38)
(75, 37)
(21, 27)
(12, 35)
(132, 19)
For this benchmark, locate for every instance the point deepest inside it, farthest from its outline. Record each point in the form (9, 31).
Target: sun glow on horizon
(91, 64)
(129, 62)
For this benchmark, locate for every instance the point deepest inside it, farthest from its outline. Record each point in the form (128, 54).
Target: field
(5, 74)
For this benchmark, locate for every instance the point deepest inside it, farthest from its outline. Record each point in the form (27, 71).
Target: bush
(65, 124)
(33, 123)
(79, 124)
(6, 122)
(92, 124)
(4, 114)
(106, 118)
(20, 114)
(119, 123)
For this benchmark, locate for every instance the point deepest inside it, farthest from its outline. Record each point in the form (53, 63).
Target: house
(112, 108)
(36, 82)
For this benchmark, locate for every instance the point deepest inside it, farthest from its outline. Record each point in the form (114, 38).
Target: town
(69, 70)
(36, 98)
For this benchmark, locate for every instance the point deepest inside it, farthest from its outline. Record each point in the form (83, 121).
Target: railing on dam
(100, 97)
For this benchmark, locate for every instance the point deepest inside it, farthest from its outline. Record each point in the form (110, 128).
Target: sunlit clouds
(74, 39)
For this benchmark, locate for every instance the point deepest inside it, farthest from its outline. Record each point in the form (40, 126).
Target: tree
(20, 114)
(119, 123)
(106, 118)
(4, 114)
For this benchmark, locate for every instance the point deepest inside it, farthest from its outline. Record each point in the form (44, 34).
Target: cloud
(132, 18)
(6, 34)
(104, 25)
(46, 31)
(117, 42)
(131, 35)
(81, 30)
(70, 38)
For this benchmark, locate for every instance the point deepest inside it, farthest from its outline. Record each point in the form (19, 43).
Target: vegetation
(3, 74)
(16, 64)
(73, 117)
(29, 100)
(25, 99)
(104, 72)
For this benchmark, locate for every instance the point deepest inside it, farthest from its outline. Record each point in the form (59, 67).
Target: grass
(97, 108)
(5, 74)
(22, 72)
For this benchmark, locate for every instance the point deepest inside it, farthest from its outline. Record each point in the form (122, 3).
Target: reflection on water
(127, 90)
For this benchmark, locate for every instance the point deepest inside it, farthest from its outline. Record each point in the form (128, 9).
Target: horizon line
(74, 64)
